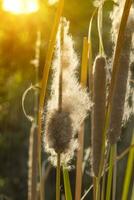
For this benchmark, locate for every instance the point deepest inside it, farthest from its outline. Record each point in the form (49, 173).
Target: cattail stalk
(114, 173)
(98, 112)
(68, 193)
(33, 164)
(58, 177)
(60, 107)
(81, 131)
(110, 173)
(45, 174)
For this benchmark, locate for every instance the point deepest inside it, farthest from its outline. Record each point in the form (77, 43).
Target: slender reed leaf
(103, 187)
(110, 173)
(90, 26)
(90, 51)
(126, 151)
(129, 170)
(114, 174)
(99, 24)
(83, 79)
(86, 193)
(132, 196)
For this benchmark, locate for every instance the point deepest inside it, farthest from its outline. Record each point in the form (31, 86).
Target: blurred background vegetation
(18, 35)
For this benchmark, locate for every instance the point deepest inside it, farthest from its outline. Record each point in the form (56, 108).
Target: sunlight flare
(21, 6)
(51, 2)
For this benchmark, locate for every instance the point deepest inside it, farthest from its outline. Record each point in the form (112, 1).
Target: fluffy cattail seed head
(59, 130)
(75, 99)
(98, 111)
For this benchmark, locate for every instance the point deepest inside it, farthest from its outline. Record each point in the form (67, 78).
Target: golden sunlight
(51, 2)
(21, 6)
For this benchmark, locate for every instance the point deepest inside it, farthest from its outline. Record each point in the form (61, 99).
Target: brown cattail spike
(118, 99)
(59, 131)
(98, 111)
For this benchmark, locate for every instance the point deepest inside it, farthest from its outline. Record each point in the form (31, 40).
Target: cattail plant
(75, 103)
(66, 109)
(119, 91)
(98, 111)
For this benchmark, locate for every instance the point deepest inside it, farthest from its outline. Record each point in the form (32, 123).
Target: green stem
(128, 175)
(58, 177)
(114, 174)
(94, 188)
(110, 173)
(97, 188)
(132, 196)
(67, 187)
(102, 162)
(103, 186)
(96, 181)
(104, 175)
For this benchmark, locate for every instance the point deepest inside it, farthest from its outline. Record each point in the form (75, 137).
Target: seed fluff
(75, 102)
